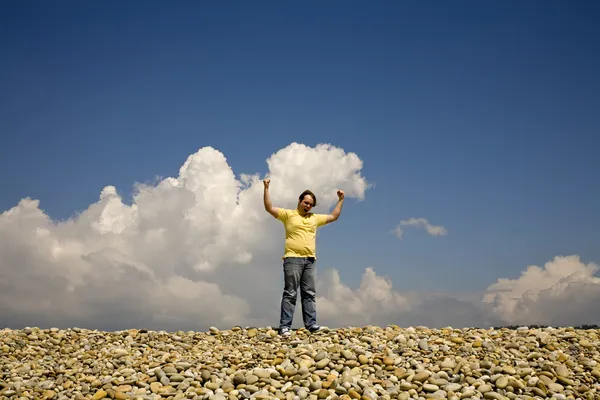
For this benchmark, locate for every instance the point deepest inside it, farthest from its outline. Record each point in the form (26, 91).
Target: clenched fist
(340, 194)
(266, 183)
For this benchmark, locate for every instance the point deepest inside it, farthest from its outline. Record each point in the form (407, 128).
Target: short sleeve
(321, 219)
(283, 214)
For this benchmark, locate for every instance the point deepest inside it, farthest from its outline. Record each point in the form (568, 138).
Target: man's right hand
(267, 182)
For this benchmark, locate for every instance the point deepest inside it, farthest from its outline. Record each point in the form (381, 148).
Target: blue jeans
(298, 272)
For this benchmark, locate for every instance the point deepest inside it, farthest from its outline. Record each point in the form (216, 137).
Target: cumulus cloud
(563, 292)
(187, 253)
(197, 250)
(374, 302)
(433, 230)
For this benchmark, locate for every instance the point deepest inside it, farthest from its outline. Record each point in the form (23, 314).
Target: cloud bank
(197, 250)
(433, 230)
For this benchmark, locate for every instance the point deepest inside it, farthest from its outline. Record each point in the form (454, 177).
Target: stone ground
(368, 363)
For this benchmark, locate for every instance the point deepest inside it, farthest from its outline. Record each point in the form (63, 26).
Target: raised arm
(335, 214)
(274, 211)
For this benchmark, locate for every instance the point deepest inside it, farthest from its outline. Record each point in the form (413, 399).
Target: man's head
(306, 202)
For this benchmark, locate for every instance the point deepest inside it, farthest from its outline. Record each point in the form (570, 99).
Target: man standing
(300, 255)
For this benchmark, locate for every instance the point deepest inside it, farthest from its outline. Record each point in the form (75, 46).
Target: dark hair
(311, 194)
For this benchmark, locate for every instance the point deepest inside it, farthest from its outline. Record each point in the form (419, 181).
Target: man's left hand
(340, 194)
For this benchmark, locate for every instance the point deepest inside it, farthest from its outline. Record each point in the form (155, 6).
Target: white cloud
(324, 167)
(433, 230)
(563, 292)
(373, 301)
(376, 302)
(189, 252)
(198, 249)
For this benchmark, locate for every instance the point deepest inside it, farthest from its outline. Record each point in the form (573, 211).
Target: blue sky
(481, 117)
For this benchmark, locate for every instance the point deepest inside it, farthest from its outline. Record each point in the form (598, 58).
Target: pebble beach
(365, 363)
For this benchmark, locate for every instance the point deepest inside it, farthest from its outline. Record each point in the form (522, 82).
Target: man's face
(306, 204)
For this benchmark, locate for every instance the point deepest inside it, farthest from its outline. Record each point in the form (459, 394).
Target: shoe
(316, 328)
(285, 331)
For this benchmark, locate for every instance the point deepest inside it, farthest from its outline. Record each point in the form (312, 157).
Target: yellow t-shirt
(300, 232)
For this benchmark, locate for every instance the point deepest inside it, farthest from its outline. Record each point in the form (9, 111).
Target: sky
(136, 137)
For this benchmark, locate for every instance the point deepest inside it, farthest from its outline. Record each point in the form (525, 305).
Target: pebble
(353, 363)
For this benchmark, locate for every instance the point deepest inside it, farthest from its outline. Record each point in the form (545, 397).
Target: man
(300, 255)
